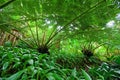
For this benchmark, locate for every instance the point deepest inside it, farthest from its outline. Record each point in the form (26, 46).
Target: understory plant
(18, 63)
(106, 71)
(24, 64)
(70, 61)
(88, 49)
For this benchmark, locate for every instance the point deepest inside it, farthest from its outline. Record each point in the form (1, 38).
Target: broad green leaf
(16, 76)
(74, 72)
(16, 65)
(117, 60)
(5, 65)
(26, 56)
(86, 75)
(31, 61)
(54, 76)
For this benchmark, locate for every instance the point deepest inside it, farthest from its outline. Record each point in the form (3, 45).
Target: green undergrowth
(27, 64)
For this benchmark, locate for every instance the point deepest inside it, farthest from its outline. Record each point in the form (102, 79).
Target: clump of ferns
(40, 39)
(42, 43)
(88, 50)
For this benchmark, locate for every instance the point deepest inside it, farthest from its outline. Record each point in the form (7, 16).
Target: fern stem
(79, 16)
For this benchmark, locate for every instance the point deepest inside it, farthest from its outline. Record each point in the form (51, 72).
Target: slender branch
(37, 33)
(32, 34)
(52, 42)
(52, 33)
(43, 38)
(6, 4)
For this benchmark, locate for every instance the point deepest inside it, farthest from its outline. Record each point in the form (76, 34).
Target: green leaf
(86, 75)
(31, 61)
(54, 76)
(31, 69)
(5, 65)
(26, 56)
(17, 64)
(42, 56)
(74, 72)
(8, 44)
(117, 60)
(16, 76)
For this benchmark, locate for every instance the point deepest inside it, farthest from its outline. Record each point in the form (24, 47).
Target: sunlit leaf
(5, 65)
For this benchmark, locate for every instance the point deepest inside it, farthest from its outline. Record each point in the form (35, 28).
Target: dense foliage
(59, 40)
(18, 63)
(58, 19)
